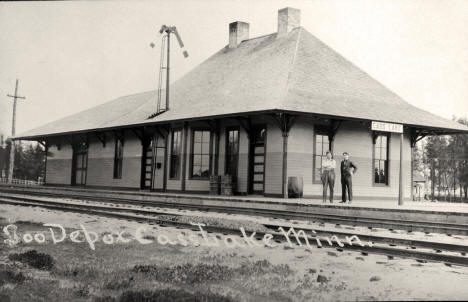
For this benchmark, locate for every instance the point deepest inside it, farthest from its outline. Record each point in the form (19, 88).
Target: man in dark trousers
(348, 168)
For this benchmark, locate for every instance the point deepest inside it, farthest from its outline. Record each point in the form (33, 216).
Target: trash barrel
(214, 184)
(295, 187)
(226, 185)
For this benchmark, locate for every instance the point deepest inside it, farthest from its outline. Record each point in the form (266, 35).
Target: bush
(9, 276)
(171, 295)
(4, 298)
(34, 259)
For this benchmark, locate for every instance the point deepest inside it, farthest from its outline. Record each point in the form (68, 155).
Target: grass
(11, 276)
(132, 272)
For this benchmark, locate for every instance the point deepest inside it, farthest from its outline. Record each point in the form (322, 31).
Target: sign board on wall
(386, 127)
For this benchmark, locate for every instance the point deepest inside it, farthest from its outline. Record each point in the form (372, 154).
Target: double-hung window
(380, 160)
(200, 155)
(176, 154)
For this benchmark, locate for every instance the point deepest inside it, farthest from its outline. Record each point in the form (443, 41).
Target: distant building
(260, 109)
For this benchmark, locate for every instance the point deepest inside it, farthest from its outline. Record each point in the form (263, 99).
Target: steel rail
(408, 225)
(378, 247)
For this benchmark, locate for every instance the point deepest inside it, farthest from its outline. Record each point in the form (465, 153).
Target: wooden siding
(101, 162)
(273, 159)
(59, 165)
(356, 139)
(300, 153)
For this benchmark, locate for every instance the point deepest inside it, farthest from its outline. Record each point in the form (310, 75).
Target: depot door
(159, 171)
(257, 159)
(79, 164)
(147, 165)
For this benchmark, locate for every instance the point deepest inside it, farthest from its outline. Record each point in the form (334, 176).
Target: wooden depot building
(262, 110)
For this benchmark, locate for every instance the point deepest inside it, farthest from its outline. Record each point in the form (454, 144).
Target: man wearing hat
(348, 168)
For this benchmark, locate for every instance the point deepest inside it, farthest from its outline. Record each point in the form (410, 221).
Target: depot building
(262, 109)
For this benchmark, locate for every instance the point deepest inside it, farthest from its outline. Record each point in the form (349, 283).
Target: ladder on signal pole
(162, 76)
(164, 66)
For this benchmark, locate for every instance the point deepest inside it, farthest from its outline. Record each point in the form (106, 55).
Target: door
(159, 172)
(257, 160)
(147, 165)
(80, 164)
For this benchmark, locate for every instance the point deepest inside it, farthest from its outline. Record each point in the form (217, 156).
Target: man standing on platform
(348, 168)
(328, 175)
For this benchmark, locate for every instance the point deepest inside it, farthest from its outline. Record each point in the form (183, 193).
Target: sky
(73, 55)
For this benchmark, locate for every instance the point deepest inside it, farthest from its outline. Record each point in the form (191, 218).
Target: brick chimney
(288, 19)
(238, 32)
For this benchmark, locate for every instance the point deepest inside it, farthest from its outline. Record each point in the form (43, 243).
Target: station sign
(387, 127)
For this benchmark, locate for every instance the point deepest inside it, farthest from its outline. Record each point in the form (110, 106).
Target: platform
(440, 212)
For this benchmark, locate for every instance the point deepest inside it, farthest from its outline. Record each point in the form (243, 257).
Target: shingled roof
(294, 73)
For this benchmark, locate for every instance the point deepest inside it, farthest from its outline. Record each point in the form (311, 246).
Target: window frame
(210, 153)
(375, 135)
(179, 167)
(226, 155)
(323, 132)
(118, 158)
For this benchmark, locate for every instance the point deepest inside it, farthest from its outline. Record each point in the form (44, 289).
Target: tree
(460, 144)
(29, 160)
(447, 157)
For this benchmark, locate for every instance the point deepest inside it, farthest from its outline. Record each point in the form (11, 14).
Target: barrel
(214, 184)
(295, 187)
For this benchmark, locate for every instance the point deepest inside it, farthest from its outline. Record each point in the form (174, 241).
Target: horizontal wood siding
(59, 165)
(274, 159)
(243, 168)
(356, 139)
(300, 153)
(101, 162)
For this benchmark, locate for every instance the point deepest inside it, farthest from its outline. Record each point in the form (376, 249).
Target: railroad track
(421, 250)
(166, 202)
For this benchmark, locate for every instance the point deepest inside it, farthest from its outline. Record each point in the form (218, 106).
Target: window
(232, 152)
(321, 147)
(176, 149)
(201, 140)
(118, 158)
(381, 159)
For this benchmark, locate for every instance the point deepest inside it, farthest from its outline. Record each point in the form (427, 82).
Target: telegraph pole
(13, 126)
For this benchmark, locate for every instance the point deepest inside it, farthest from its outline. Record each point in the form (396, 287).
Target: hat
(345, 153)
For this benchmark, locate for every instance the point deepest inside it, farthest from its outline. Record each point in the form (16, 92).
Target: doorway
(147, 165)
(159, 159)
(79, 164)
(257, 159)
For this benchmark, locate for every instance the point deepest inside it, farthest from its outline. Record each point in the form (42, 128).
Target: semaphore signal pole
(13, 126)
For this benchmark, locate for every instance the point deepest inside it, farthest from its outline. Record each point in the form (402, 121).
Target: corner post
(216, 151)
(184, 157)
(400, 189)
(285, 135)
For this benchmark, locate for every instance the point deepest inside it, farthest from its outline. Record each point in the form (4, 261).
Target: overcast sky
(70, 56)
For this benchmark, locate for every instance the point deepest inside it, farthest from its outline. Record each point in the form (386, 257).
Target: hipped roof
(294, 73)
